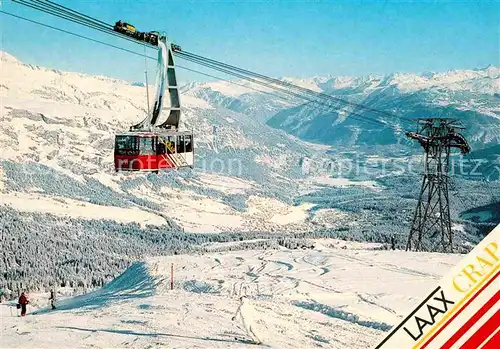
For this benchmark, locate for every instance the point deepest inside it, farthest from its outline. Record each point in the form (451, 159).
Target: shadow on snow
(135, 282)
(153, 334)
(339, 314)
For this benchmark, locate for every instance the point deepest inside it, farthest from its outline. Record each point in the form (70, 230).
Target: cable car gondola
(153, 151)
(149, 146)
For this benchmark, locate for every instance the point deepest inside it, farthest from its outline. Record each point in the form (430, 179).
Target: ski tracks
(366, 300)
(385, 266)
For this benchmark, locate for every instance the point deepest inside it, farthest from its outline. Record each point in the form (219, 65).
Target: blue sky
(277, 38)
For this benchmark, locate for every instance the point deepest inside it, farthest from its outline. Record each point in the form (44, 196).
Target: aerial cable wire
(73, 11)
(351, 113)
(285, 83)
(74, 34)
(310, 92)
(292, 93)
(289, 99)
(286, 98)
(318, 101)
(213, 66)
(60, 13)
(71, 18)
(76, 17)
(86, 21)
(63, 12)
(138, 54)
(65, 16)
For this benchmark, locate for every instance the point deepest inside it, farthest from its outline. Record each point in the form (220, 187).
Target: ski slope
(337, 295)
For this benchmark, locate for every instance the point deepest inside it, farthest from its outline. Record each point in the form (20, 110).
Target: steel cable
(290, 85)
(300, 96)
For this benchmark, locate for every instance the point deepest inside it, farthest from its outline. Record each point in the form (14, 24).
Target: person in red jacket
(23, 301)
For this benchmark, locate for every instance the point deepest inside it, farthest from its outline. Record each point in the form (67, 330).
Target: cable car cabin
(153, 151)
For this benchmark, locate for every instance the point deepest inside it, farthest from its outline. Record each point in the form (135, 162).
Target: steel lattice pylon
(431, 227)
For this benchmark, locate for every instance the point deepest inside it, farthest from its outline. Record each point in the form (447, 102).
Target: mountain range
(471, 96)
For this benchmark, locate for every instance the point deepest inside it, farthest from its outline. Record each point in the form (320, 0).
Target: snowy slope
(58, 187)
(58, 128)
(337, 295)
(242, 96)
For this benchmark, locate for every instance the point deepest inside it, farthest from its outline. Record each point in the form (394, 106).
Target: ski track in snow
(330, 298)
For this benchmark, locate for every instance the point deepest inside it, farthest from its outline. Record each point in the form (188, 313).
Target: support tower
(431, 227)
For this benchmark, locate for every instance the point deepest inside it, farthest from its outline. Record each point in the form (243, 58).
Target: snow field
(327, 297)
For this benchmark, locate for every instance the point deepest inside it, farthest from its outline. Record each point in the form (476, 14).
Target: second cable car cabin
(151, 151)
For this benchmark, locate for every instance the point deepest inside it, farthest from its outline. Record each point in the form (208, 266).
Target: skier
(246, 312)
(52, 299)
(23, 301)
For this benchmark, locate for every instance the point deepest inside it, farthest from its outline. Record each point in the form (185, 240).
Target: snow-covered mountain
(485, 80)
(64, 123)
(58, 123)
(468, 95)
(241, 96)
(471, 96)
(59, 189)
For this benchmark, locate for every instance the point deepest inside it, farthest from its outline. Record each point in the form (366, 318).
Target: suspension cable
(142, 55)
(63, 12)
(76, 17)
(318, 96)
(52, 10)
(286, 84)
(300, 96)
(70, 17)
(195, 60)
(74, 34)
(53, 4)
(289, 99)
(136, 53)
(290, 85)
(65, 16)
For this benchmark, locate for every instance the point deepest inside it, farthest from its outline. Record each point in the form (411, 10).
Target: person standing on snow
(52, 299)
(23, 301)
(247, 314)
